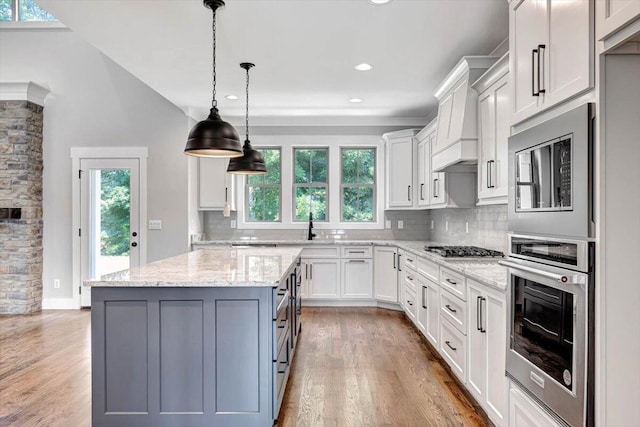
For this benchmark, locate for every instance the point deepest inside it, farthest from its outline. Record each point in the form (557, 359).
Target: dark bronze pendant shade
(213, 137)
(252, 162)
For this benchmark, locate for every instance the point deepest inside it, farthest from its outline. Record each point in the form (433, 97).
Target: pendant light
(213, 137)
(252, 162)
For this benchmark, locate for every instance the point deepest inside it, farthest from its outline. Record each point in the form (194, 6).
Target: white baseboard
(58, 304)
(349, 303)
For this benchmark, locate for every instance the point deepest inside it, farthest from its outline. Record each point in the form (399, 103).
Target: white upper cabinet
(551, 46)
(215, 185)
(613, 15)
(493, 133)
(456, 134)
(401, 162)
(425, 138)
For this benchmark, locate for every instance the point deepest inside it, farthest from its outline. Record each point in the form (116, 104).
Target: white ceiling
(304, 51)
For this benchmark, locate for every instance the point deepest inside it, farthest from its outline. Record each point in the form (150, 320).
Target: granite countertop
(215, 267)
(484, 270)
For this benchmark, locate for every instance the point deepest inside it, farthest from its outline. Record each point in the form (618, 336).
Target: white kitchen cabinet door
(524, 412)
(215, 185)
(477, 370)
(527, 28)
(400, 180)
(324, 278)
(385, 282)
(357, 280)
(427, 305)
(409, 301)
(551, 53)
(304, 287)
(424, 172)
(612, 15)
(487, 337)
(494, 130)
(569, 56)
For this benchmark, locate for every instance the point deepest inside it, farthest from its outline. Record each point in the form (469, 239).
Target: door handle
(399, 255)
(453, 310)
(489, 174)
(394, 261)
(424, 305)
(408, 192)
(534, 52)
(539, 50)
(421, 191)
(478, 316)
(450, 346)
(482, 329)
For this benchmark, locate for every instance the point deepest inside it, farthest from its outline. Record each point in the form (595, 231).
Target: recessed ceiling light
(363, 67)
(231, 97)
(356, 100)
(379, 1)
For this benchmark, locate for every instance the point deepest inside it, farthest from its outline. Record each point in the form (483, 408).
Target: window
(23, 10)
(358, 186)
(310, 184)
(263, 191)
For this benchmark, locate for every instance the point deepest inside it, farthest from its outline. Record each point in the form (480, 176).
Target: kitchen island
(201, 339)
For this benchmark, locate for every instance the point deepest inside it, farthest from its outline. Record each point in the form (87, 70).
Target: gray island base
(204, 339)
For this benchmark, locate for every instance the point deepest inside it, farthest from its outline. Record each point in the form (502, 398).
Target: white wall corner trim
(59, 304)
(23, 91)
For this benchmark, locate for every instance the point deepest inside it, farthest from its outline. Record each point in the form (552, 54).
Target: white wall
(94, 102)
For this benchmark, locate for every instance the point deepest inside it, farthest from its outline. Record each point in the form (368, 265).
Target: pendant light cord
(214, 103)
(247, 109)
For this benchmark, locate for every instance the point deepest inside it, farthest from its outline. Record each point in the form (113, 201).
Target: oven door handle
(560, 278)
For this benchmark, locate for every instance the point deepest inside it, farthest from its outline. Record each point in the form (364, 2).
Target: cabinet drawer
(409, 301)
(453, 348)
(357, 252)
(409, 278)
(454, 310)
(320, 252)
(454, 282)
(428, 269)
(410, 260)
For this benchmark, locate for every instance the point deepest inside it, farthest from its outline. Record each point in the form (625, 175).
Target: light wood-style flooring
(353, 367)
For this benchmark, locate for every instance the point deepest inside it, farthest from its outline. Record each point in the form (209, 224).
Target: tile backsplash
(487, 228)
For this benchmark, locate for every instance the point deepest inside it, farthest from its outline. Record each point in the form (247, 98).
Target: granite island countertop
(209, 267)
(483, 270)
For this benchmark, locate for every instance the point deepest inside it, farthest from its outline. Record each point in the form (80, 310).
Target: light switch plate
(387, 223)
(155, 224)
(233, 223)
(400, 224)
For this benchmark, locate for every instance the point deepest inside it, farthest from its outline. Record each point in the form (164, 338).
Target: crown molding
(23, 91)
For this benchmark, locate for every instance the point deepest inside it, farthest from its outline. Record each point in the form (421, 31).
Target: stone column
(20, 207)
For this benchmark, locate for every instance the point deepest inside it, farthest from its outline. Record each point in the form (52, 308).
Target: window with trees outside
(264, 191)
(358, 186)
(310, 183)
(23, 11)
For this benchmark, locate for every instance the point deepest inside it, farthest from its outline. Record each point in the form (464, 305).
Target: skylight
(23, 11)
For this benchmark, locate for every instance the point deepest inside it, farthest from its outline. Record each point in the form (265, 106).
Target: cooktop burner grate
(462, 251)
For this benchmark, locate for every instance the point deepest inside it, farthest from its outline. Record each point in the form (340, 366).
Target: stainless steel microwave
(550, 176)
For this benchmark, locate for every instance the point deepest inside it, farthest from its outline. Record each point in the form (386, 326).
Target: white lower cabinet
(428, 307)
(357, 278)
(323, 279)
(524, 412)
(385, 282)
(409, 301)
(453, 348)
(487, 339)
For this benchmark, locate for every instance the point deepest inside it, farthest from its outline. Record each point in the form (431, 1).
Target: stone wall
(20, 207)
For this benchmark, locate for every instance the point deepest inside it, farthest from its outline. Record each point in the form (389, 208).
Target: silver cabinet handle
(408, 192)
(534, 52)
(409, 302)
(435, 187)
(356, 252)
(410, 278)
(356, 260)
(421, 191)
(449, 345)
(540, 47)
(399, 255)
(311, 271)
(482, 329)
(424, 304)
(394, 260)
(451, 281)
(571, 279)
(453, 310)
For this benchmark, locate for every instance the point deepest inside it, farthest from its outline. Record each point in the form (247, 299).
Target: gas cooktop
(462, 251)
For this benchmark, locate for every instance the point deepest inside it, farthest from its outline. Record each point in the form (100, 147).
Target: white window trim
(334, 215)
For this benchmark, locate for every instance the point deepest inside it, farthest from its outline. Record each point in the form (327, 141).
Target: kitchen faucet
(311, 233)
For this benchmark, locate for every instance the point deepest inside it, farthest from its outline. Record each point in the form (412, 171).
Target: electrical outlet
(400, 224)
(433, 224)
(466, 227)
(387, 223)
(155, 224)
(56, 283)
(446, 225)
(233, 223)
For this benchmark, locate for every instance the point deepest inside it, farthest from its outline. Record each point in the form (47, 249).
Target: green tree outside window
(358, 187)
(263, 191)
(311, 189)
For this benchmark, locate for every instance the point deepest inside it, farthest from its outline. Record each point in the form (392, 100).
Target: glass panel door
(109, 217)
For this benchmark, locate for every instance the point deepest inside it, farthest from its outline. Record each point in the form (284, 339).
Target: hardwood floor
(353, 367)
(370, 367)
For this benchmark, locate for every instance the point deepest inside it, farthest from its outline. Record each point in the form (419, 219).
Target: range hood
(456, 145)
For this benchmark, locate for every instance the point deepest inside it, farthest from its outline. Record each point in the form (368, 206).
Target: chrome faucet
(311, 233)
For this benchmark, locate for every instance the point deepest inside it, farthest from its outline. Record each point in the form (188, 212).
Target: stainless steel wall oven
(550, 326)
